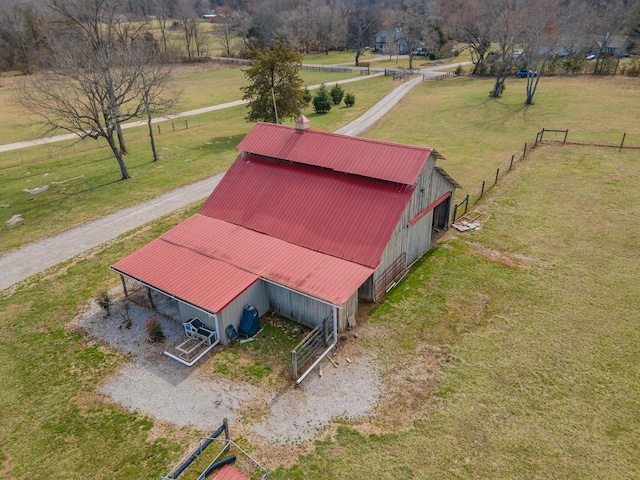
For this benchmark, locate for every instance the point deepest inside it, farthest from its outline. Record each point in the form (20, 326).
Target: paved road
(37, 257)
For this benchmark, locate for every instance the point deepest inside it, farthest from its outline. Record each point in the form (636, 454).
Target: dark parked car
(524, 73)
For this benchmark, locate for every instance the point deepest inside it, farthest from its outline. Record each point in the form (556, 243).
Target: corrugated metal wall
(255, 295)
(296, 307)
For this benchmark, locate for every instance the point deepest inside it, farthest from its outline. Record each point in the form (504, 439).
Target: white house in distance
(305, 223)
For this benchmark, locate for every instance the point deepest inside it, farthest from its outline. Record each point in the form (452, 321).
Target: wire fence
(547, 136)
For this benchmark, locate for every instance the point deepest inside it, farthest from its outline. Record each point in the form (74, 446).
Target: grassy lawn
(88, 175)
(513, 349)
(535, 315)
(538, 316)
(202, 85)
(477, 134)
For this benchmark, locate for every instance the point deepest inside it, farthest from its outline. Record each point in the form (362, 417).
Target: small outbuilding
(305, 223)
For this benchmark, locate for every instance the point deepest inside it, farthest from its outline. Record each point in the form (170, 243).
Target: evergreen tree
(322, 100)
(276, 89)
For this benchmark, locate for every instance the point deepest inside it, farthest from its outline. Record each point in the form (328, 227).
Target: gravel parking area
(155, 385)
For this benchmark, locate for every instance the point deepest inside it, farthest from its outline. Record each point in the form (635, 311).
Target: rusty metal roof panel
(345, 216)
(343, 153)
(313, 273)
(189, 276)
(229, 473)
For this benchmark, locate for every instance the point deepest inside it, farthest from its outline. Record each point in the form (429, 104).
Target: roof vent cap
(302, 123)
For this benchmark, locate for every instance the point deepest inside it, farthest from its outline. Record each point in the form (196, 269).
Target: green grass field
(538, 315)
(88, 175)
(514, 349)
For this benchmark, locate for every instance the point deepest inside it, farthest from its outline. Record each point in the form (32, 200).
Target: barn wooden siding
(414, 240)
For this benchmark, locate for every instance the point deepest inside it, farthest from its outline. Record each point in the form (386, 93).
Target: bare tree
(225, 28)
(471, 22)
(157, 96)
(195, 39)
(162, 11)
(331, 23)
(78, 96)
(93, 21)
(94, 82)
(505, 29)
(416, 19)
(540, 37)
(361, 21)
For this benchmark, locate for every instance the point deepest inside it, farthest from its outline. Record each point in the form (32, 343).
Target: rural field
(508, 352)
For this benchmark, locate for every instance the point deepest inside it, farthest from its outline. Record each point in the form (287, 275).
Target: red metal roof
(346, 216)
(321, 276)
(229, 473)
(360, 156)
(187, 275)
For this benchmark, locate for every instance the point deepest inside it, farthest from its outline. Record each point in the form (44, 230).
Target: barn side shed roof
(186, 275)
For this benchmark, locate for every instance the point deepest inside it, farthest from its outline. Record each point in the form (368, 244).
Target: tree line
(104, 62)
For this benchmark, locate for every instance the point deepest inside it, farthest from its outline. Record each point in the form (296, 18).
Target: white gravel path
(155, 385)
(349, 392)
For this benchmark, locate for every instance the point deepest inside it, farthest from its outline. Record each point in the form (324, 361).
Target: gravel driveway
(153, 384)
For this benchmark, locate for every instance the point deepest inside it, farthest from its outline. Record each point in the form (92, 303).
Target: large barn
(305, 223)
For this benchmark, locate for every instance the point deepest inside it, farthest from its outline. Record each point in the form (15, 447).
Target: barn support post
(124, 285)
(150, 298)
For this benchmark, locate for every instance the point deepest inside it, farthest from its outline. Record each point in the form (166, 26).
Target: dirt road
(37, 257)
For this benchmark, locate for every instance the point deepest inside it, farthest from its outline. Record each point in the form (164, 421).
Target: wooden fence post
(622, 142)
(294, 365)
(524, 153)
(566, 132)
(511, 164)
(497, 173)
(482, 189)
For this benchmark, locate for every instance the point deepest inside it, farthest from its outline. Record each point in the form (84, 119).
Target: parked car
(524, 73)
(591, 56)
(420, 53)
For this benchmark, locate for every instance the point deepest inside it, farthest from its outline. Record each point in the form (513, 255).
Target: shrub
(459, 70)
(105, 302)
(154, 329)
(349, 99)
(337, 94)
(322, 100)
(306, 96)
(634, 68)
